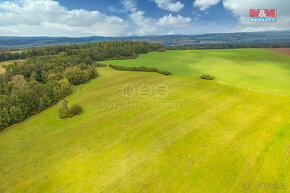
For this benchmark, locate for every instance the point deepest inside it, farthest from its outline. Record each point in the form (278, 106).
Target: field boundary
(252, 89)
(141, 69)
(284, 51)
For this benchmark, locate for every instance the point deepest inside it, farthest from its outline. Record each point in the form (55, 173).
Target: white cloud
(170, 5)
(150, 26)
(129, 5)
(172, 21)
(48, 17)
(205, 4)
(146, 26)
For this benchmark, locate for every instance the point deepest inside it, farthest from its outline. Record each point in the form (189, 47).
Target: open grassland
(203, 137)
(258, 69)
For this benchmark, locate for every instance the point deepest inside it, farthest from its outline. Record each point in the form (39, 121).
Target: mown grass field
(258, 69)
(222, 139)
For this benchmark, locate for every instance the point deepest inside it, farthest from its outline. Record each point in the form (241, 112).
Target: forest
(48, 74)
(96, 51)
(229, 46)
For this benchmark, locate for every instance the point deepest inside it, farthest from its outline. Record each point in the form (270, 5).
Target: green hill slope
(202, 137)
(251, 68)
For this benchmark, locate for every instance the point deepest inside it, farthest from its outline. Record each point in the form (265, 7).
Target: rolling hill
(258, 69)
(168, 40)
(201, 136)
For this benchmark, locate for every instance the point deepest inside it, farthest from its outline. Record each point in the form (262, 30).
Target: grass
(258, 69)
(220, 139)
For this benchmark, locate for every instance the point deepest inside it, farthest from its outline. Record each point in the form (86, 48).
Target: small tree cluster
(66, 112)
(207, 77)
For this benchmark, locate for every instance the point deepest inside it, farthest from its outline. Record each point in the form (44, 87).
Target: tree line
(47, 75)
(142, 68)
(97, 51)
(229, 46)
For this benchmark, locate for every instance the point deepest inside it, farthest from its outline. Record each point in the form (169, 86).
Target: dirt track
(285, 51)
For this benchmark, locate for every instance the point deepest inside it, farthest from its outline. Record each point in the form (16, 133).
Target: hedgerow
(143, 69)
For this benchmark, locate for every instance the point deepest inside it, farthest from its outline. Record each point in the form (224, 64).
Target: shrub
(207, 77)
(63, 105)
(66, 112)
(75, 110)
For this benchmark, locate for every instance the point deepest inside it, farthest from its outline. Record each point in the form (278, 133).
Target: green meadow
(257, 69)
(202, 136)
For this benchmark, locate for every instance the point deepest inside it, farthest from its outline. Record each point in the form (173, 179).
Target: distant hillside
(168, 40)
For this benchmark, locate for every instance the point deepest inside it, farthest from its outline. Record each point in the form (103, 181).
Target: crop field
(193, 135)
(258, 69)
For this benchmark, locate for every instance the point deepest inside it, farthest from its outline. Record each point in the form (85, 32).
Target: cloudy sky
(78, 18)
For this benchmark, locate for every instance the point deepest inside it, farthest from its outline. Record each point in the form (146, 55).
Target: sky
(116, 18)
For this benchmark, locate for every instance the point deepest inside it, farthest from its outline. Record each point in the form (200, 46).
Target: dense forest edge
(48, 74)
(229, 46)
